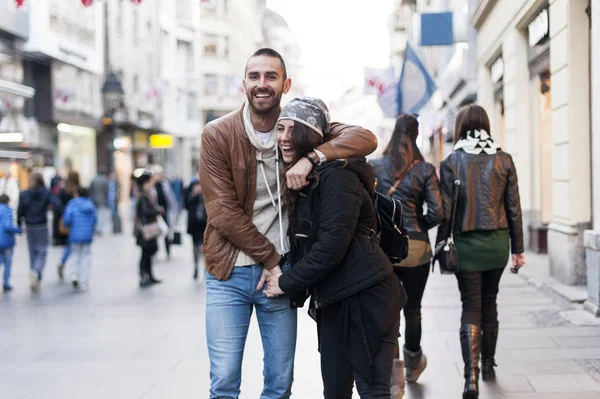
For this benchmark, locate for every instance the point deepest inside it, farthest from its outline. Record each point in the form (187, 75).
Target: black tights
(414, 280)
(146, 262)
(478, 293)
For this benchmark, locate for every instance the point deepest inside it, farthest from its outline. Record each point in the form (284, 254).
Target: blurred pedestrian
(166, 199)
(60, 234)
(356, 299)
(402, 173)
(81, 217)
(7, 239)
(10, 186)
(194, 203)
(146, 227)
(488, 225)
(33, 208)
(99, 189)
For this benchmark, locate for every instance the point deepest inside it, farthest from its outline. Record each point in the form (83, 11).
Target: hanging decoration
(87, 3)
(136, 2)
(20, 3)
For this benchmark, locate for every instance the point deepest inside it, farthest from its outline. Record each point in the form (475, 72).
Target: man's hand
(273, 289)
(296, 176)
(276, 271)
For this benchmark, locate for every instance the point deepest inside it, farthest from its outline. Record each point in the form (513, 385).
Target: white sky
(338, 38)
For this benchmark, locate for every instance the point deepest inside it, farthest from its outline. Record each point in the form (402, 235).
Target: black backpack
(393, 238)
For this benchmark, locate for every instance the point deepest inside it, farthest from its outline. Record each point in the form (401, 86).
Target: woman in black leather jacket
(147, 212)
(488, 226)
(355, 298)
(402, 173)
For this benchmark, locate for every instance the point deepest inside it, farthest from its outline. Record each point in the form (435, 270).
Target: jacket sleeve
(446, 185)
(68, 215)
(337, 226)
(7, 224)
(433, 198)
(190, 198)
(512, 203)
(223, 208)
(346, 141)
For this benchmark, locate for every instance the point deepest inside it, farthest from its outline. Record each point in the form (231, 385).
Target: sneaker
(34, 281)
(7, 288)
(61, 272)
(75, 284)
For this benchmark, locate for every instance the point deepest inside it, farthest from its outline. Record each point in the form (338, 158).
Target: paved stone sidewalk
(116, 341)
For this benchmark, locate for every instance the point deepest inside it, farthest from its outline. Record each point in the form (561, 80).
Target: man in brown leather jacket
(244, 240)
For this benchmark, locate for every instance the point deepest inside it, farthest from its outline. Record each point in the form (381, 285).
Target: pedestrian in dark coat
(402, 173)
(194, 203)
(487, 228)
(355, 297)
(147, 212)
(59, 203)
(33, 208)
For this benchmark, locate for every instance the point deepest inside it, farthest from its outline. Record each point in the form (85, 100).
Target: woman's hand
(296, 176)
(518, 260)
(273, 289)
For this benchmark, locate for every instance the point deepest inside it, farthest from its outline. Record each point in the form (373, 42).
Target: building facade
(534, 75)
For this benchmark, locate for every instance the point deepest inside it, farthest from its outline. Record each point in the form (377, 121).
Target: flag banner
(416, 86)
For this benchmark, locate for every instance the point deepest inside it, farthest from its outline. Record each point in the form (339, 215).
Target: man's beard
(275, 97)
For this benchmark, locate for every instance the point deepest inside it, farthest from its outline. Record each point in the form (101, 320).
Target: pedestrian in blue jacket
(80, 217)
(7, 239)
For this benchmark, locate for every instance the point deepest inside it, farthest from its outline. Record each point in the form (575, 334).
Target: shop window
(211, 45)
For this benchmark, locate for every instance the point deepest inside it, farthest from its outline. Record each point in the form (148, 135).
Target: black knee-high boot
(470, 342)
(489, 339)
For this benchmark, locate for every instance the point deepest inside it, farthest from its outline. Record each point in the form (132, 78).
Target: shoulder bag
(445, 251)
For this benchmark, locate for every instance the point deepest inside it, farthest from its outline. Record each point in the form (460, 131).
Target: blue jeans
(6, 255)
(66, 254)
(229, 305)
(37, 238)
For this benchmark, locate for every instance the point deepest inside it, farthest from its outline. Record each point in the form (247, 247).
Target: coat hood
(84, 205)
(358, 165)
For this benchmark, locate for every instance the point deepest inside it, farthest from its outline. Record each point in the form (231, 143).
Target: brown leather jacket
(228, 181)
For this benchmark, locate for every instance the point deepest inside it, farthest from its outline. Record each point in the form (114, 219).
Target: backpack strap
(397, 183)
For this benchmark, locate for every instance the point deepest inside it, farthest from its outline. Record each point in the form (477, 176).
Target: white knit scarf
(266, 151)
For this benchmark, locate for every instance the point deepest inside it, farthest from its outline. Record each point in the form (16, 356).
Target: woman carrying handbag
(487, 227)
(147, 228)
(402, 173)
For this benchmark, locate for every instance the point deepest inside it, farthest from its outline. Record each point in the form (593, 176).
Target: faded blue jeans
(229, 305)
(6, 255)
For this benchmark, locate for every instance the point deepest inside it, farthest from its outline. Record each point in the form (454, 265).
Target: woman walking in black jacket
(147, 212)
(194, 203)
(402, 173)
(355, 298)
(488, 226)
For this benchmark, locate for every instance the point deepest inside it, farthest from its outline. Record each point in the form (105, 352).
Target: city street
(117, 341)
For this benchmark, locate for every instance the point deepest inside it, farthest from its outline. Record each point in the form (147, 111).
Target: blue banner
(437, 29)
(416, 86)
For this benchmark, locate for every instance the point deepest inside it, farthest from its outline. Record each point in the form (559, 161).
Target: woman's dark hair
(470, 117)
(4, 199)
(72, 182)
(303, 140)
(402, 147)
(36, 180)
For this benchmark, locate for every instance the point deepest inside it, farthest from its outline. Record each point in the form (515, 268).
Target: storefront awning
(16, 89)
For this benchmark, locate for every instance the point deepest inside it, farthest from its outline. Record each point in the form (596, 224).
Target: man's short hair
(269, 52)
(4, 199)
(84, 192)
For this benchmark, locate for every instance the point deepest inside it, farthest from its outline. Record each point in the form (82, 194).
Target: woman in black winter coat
(402, 173)
(147, 212)
(194, 203)
(355, 298)
(488, 226)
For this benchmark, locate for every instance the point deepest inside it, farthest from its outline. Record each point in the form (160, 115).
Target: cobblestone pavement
(116, 341)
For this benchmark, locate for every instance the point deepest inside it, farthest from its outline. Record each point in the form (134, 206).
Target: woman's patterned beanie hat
(309, 111)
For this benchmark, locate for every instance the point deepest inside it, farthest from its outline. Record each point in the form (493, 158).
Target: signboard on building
(162, 141)
(539, 28)
(14, 18)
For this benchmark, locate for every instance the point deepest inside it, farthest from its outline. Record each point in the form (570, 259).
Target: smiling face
(265, 83)
(285, 127)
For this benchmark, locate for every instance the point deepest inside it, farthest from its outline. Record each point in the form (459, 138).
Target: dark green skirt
(479, 251)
